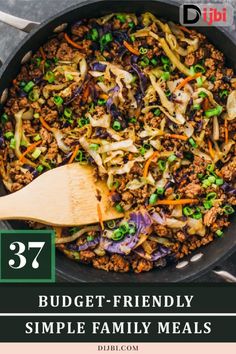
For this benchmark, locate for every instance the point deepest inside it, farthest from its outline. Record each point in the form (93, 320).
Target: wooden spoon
(64, 196)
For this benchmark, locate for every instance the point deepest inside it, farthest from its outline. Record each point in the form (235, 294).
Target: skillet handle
(17, 22)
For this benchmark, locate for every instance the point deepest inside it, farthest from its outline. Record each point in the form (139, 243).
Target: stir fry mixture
(151, 107)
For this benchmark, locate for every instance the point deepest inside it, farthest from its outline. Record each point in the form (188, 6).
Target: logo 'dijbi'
(206, 15)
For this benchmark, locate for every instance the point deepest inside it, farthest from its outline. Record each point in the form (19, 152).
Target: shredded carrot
(99, 211)
(184, 29)
(205, 104)
(14, 82)
(130, 48)
(186, 80)
(130, 157)
(42, 53)
(69, 40)
(176, 136)
(45, 124)
(211, 151)
(103, 96)
(73, 156)
(29, 149)
(85, 94)
(226, 132)
(147, 164)
(176, 202)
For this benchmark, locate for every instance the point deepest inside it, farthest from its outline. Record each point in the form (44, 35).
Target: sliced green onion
(165, 76)
(90, 238)
(105, 39)
(121, 18)
(216, 111)
(33, 95)
(188, 211)
(219, 233)
(124, 227)
(58, 100)
(94, 147)
(40, 168)
(144, 62)
(47, 63)
(200, 175)
(4, 118)
(132, 120)
(199, 81)
(132, 38)
(211, 196)
(28, 87)
(94, 34)
(38, 61)
(9, 135)
(55, 59)
(199, 68)
(24, 143)
(168, 93)
(101, 102)
(142, 150)
(116, 125)
(224, 93)
(69, 77)
(196, 107)
(79, 156)
(22, 84)
(202, 94)
(157, 112)
(207, 204)
(162, 165)
(197, 214)
(82, 122)
(37, 137)
(192, 142)
(228, 209)
(36, 115)
(131, 24)
(67, 112)
(206, 183)
(165, 60)
(153, 198)
(154, 61)
(172, 158)
(50, 76)
(143, 50)
(37, 152)
(117, 235)
(111, 224)
(211, 179)
(166, 67)
(213, 79)
(115, 184)
(160, 190)
(219, 181)
(119, 208)
(210, 167)
(13, 143)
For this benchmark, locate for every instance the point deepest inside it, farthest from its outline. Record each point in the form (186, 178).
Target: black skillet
(68, 270)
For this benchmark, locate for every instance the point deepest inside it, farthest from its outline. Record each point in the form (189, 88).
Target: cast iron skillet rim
(182, 275)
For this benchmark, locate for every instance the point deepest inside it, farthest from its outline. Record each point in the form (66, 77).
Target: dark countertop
(38, 10)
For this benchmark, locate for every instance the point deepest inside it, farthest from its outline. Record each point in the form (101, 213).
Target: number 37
(20, 248)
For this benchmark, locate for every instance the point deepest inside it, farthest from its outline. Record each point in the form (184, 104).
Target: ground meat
(127, 197)
(141, 265)
(46, 136)
(211, 216)
(229, 171)
(116, 263)
(161, 230)
(79, 30)
(52, 151)
(19, 176)
(51, 47)
(192, 190)
(86, 255)
(49, 115)
(65, 52)
(190, 59)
